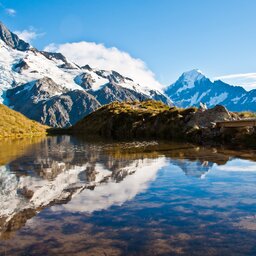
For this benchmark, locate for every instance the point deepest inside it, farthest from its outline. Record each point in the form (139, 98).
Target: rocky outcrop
(114, 92)
(12, 39)
(68, 108)
(201, 128)
(20, 66)
(85, 80)
(52, 104)
(60, 59)
(209, 117)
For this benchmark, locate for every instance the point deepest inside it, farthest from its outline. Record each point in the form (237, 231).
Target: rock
(114, 92)
(85, 80)
(203, 106)
(21, 65)
(209, 117)
(54, 56)
(60, 59)
(51, 103)
(11, 39)
(67, 109)
(87, 67)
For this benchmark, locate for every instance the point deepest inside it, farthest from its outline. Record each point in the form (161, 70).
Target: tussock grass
(247, 114)
(128, 120)
(16, 125)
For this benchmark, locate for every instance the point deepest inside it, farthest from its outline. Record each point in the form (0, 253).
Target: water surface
(64, 196)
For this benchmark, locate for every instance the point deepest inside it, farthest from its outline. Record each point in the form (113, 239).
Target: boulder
(209, 117)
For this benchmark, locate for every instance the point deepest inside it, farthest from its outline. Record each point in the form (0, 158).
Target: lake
(68, 196)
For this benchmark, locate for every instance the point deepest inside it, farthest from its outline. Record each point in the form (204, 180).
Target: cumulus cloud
(99, 56)
(28, 35)
(10, 11)
(247, 80)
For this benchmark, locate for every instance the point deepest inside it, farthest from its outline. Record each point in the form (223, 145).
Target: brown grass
(247, 114)
(128, 120)
(16, 125)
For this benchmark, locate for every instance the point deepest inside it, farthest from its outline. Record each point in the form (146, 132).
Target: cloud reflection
(142, 172)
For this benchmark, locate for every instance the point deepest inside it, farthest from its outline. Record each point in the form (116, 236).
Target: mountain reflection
(79, 176)
(195, 169)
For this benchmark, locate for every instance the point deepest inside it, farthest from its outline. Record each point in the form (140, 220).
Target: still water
(65, 196)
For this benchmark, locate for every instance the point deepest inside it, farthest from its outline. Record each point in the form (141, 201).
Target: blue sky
(170, 36)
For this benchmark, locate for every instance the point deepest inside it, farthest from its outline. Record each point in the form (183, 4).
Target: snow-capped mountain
(194, 87)
(48, 88)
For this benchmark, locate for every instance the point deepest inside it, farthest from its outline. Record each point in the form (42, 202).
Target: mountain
(14, 124)
(194, 87)
(59, 91)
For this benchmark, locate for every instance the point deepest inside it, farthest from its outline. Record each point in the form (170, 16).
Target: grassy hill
(128, 120)
(154, 120)
(14, 124)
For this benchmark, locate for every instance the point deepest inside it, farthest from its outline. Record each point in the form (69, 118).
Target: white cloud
(247, 80)
(10, 11)
(99, 56)
(28, 35)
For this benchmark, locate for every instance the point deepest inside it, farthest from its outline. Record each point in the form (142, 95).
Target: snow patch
(218, 99)
(189, 78)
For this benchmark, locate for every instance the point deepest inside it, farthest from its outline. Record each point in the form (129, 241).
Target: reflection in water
(136, 179)
(11, 149)
(106, 196)
(54, 172)
(195, 169)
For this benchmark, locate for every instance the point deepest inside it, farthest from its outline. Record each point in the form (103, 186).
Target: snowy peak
(186, 81)
(191, 76)
(11, 39)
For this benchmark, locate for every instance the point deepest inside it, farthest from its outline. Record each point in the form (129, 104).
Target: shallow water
(64, 196)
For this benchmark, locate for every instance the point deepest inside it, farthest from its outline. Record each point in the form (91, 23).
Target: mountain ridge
(59, 91)
(190, 92)
(12, 39)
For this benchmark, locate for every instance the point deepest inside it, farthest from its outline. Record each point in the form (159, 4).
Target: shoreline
(151, 120)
